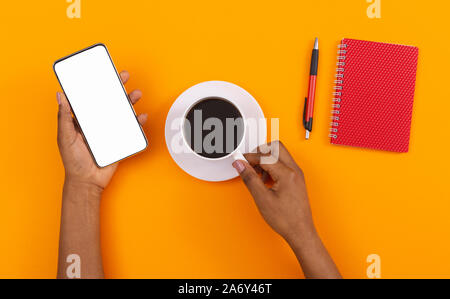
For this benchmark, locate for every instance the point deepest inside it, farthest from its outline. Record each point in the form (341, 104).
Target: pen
(308, 111)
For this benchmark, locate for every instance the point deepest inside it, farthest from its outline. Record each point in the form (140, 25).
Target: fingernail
(58, 98)
(239, 166)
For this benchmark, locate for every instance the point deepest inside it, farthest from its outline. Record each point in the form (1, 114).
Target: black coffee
(213, 127)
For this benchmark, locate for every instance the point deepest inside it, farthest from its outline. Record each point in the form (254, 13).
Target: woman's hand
(278, 187)
(284, 204)
(80, 168)
(83, 186)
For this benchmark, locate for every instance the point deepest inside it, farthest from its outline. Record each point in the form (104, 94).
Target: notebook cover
(376, 95)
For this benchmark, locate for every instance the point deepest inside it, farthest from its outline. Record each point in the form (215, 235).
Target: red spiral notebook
(374, 95)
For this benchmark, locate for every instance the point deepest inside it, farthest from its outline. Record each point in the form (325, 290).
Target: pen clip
(304, 112)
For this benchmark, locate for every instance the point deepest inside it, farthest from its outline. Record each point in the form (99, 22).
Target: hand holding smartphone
(100, 105)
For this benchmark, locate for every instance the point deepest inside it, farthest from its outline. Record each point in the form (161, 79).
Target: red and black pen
(308, 111)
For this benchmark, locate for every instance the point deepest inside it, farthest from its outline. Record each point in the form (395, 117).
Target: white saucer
(203, 169)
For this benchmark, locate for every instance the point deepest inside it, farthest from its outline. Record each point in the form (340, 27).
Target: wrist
(87, 189)
(302, 236)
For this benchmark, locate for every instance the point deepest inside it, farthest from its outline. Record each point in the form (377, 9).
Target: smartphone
(100, 105)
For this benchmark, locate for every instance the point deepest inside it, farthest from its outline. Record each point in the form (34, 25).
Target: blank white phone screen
(100, 105)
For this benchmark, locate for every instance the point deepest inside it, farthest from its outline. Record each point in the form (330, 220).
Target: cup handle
(238, 156)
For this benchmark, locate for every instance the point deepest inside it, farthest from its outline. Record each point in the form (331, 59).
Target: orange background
(159, 222)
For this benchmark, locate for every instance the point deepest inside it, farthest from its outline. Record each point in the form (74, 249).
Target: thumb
(66, 128)
(252, 180)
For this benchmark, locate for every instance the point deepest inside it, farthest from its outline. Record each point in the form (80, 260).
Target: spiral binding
(338, 85)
